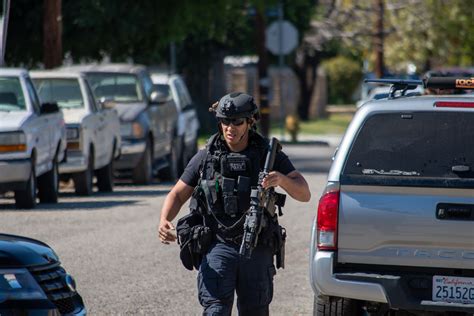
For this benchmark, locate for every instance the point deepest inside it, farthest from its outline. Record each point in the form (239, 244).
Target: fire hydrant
(292, 125)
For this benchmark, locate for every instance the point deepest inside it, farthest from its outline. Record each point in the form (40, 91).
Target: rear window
(416, 148)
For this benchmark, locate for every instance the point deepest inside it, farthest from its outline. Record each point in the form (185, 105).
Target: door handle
(450, 211)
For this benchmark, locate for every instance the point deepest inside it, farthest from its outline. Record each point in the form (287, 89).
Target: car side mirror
(49, 107)
(157, 97)
(189, 107)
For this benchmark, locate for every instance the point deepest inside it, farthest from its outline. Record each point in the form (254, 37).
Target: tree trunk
(52, 32)
(263, 80)
(306, 72)
(379, 39)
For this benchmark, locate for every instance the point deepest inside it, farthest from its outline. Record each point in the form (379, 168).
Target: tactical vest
(226, 178)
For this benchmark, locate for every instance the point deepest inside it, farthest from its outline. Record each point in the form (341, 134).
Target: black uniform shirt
(191, 175)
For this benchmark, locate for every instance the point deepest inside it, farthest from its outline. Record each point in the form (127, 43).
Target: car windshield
(11, 95)
(116, 87)
(163, 88)
(417, 144)
(65, 92)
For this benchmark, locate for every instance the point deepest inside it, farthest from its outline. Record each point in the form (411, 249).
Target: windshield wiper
(390, 172)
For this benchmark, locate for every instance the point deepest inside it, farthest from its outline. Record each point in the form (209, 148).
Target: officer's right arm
(178, 195)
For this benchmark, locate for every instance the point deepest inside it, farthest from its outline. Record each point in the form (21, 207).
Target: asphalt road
(108, 242)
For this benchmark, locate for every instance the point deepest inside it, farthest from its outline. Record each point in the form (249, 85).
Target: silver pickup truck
(32, 141)
(394, 233)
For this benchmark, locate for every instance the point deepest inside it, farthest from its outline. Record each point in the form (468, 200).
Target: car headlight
(72, 133)
(12, 142)
(133, 129)
(19, 284)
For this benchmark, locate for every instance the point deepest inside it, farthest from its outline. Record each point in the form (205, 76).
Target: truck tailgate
(406, 226)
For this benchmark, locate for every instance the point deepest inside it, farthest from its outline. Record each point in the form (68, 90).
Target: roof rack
(403, 85)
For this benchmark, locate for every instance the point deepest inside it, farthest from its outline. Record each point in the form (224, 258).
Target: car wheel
(171, 171)
(143, 172)
(182, 157)
(26, 198)
(105, 176)
(48, 184)
(83, 180)
(336, 307)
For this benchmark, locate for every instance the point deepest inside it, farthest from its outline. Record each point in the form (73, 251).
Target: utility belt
(195, 236)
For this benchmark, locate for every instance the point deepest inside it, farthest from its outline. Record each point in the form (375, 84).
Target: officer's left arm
(293, 183)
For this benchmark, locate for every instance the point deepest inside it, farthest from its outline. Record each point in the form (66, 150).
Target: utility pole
(379, 38)
(263, 80)
(52, 34)
(4, 29)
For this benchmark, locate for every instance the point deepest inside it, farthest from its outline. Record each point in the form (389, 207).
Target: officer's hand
(273, 179)
(166, 231)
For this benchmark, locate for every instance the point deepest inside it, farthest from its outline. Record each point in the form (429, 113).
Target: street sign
(289, 37)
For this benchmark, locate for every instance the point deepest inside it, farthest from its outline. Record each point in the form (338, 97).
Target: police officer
(222, 271)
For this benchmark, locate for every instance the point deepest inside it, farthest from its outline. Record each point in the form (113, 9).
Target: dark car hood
(17, 251)
(129, 111)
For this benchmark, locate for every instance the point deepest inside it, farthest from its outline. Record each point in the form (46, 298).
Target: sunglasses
(235, 122)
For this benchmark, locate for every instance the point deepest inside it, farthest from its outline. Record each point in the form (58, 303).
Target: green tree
(344, 75)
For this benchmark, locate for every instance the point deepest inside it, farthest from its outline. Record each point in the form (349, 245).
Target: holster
(280, 241)
(194, 239)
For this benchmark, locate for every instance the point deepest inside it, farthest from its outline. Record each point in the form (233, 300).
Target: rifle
(261, 200)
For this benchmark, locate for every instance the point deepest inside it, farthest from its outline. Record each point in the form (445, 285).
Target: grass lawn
(335, 124)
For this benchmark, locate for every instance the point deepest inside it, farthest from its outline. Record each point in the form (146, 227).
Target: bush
(344, 75)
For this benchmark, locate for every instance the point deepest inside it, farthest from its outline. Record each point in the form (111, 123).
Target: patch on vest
(237, 166)
(233, 165)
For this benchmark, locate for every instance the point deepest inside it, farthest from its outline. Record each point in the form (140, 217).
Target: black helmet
(237, 105)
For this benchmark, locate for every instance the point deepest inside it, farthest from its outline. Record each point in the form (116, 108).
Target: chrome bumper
(133, 148)
(74, 163)
(324, 282)
(17, 170)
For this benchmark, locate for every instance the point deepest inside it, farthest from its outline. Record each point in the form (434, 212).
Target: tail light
(449, 104)
(328, 212)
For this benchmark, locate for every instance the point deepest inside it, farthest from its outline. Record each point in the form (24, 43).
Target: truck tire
(336, 307)
(26, 199)
(143, 171)
(48, 184)
(170, 173)
(83, 180)
(105, 176)
(182, 157)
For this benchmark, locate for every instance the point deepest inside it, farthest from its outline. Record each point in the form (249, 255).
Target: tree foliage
(344, 75)
(424, 32)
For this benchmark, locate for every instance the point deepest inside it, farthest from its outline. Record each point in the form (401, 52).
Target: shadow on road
(70, 206)
(118, 193)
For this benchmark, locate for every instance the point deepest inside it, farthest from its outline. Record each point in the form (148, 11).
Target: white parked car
(93, 131)
(32, 141)
(187, 125)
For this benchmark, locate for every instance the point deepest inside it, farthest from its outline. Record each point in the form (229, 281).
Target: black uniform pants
(223, 272)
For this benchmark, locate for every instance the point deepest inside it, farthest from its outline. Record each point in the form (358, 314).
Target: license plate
(453, 289)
